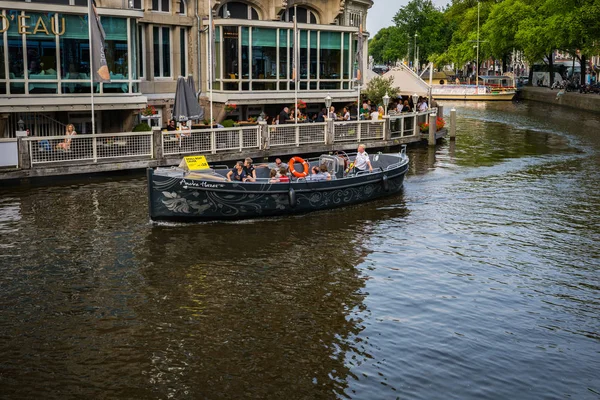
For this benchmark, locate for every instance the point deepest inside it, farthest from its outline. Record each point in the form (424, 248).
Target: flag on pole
(212, 44)
(294, 50)
(359, 54)
(99, 67)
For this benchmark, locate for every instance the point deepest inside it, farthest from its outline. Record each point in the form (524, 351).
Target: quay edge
(16, 176)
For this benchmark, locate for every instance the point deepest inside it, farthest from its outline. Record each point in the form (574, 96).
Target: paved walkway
(581, 101)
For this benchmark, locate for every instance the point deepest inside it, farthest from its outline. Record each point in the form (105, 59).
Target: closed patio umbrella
(186, 105)
(190, 81)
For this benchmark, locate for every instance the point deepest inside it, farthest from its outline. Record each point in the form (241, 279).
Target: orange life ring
(293, 170)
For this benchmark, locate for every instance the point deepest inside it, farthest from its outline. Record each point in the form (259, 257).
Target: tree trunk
(582, 68)
(551, 67)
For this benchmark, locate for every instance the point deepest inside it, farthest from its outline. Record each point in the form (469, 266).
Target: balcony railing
(129, 146)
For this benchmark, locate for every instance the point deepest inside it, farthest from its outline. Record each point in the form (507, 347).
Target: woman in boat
(274, 177)
(237, 173)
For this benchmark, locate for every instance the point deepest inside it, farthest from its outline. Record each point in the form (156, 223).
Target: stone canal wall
(586, 102)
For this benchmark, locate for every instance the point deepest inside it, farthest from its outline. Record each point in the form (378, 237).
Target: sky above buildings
(383, 11)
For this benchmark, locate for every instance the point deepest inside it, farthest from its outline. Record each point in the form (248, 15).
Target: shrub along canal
(479, 281)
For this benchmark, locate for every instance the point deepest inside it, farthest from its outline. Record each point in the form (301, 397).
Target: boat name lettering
(203, 184)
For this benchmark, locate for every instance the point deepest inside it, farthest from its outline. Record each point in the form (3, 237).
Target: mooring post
(23, 156)
(452, 123)
(386, 128)
(157, 146)
(263, 134)
(440, 111)
(432, 126)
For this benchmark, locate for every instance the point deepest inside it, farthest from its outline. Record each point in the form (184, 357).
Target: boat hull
(476, 97)
(184, 200)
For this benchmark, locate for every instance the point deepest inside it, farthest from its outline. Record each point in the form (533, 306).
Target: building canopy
(407, 81)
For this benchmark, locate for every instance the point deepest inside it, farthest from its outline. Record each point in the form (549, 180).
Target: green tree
(428, 22)
(388, 45)
(378, 87)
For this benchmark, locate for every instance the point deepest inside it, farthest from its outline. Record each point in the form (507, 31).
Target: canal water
(480, 281)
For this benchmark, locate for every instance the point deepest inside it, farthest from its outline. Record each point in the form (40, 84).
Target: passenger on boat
(283, 175)
(279, 164)
(274, 178)
(249, 170)
(362, 160)
(237, 173)
(324, 172)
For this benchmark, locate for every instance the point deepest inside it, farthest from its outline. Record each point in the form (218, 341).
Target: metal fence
(211, 140)
(296, 134)
(51, 149)
(140, 145)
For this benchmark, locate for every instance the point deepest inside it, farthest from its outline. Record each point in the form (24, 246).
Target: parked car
(381, 69)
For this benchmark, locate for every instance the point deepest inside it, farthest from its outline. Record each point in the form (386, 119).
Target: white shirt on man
(375, 115)
(423, 106)
(361, 161)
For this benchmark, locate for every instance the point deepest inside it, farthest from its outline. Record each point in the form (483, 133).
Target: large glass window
(183, 51)
(264, 53)
(283, 57)
(236, 9)
(161, 5)
(245, 52)
(140, 53)
(347, 56)
(217, 53)
(41, 52)
(231, 55)
(2, 65)
(162, 51)
(330, 66)
(75, 48)
(115, 46)
(304, 15)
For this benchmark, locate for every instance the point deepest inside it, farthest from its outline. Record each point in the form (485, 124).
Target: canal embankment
(580, 101)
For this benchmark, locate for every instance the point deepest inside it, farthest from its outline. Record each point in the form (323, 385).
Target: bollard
(440, 111)
(157, 144)
(24, 158)
(452, 124)
(264, 135)
(432, 126)
(386, 128)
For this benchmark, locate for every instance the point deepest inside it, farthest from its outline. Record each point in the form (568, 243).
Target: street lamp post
(386, 102)
(328, 101)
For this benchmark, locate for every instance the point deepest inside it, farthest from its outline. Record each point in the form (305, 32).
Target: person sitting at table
(171, 125)
(237, 173)
(346, 114)
(321, 116)
(406, 106)
(374, 114)
(249, 170)
(332, 113)
(66, 144)
(284, 115)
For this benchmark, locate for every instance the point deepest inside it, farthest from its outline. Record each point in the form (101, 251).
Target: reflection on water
(479, 281)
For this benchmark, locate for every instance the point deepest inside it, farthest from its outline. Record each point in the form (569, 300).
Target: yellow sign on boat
(195, 163)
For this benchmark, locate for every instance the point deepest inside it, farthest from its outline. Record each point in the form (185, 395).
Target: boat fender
(386, 184)
(292, 197)
(304, 163)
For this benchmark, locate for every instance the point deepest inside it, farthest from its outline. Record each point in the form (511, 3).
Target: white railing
(403, 124)
(296, 134)
(51, 149)
(356, 131)
(156, 144)
(211, 140)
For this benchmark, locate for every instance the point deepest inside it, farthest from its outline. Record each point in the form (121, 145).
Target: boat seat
(335, 165)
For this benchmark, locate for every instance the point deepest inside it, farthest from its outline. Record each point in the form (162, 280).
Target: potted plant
(149, 111)
(230, 107)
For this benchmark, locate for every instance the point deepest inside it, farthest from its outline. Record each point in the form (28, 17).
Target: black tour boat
(178, 194)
